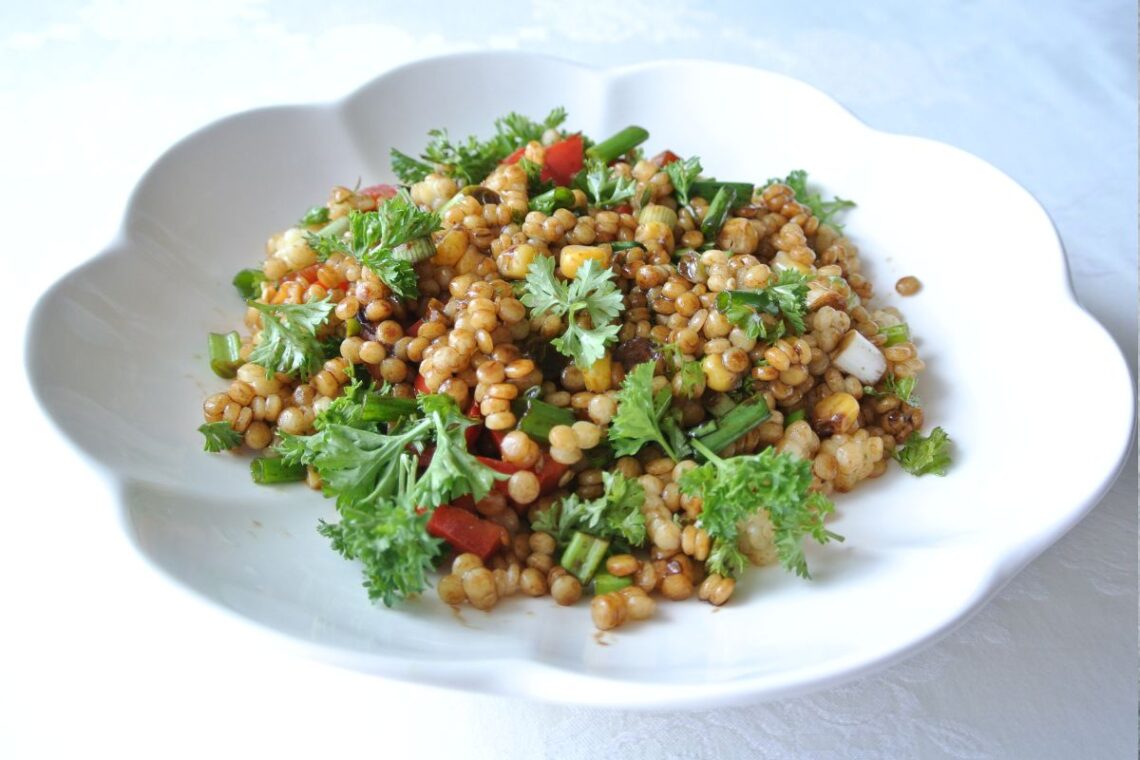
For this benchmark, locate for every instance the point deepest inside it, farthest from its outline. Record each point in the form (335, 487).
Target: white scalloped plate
(993, 321)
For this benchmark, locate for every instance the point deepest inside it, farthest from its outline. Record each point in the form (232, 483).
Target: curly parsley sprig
(469, 161)
(289, 341)
(766, 314)
(592, 291)
(644, 416)
(733, 489)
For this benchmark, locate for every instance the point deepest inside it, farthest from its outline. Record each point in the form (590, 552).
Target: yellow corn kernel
(657, 233)
(450, 247)
(574, 256)
(514, 262)
(297, 256)
(836, 414)
(717, 376)
(782, 261)
(597, 377)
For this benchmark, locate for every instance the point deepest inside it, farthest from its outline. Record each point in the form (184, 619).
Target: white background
(97, 652)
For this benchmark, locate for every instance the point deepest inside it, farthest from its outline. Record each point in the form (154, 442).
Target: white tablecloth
(98, 653)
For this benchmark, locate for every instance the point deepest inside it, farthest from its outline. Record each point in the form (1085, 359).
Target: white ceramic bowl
(996, 322)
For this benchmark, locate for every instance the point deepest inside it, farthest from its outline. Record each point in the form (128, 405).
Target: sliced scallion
(225, 353)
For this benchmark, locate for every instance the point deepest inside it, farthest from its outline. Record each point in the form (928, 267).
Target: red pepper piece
(378, 191)
(549, 473)
(472, 433)
(500, 466)
(421, 385)
(664, 158)
(497, 436)
(563, 161)
(414, 330)
(624, 208)
(465, 532)
(308, 274)
(514, 157)
(465, 502)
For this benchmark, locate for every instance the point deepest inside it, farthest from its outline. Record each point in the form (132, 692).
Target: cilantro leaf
(375, 234)
(288, 337)
(515, 130)
(682, 174)
(733, 489)
(359, 468)
(645, 417)
(921, 455)
(616, 515)
(248, 283)
(452, 471)
(592, 291)
(692, 377)
(315, 215)
(604, 186)
(408, 169)
(784, 301)
(903, 388)
(469, 161)
(220, 436)
(823, 210)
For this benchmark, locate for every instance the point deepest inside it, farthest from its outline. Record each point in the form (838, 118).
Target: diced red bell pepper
(664, 158)
(500, 466)
(466, 532)
(549, 473)
(414, 330)
(308, 274)
(378, 191)
(472, 433)
(497, 436)
(466, 501)
(514, 157)
(563, 160)
(546, 470)
(624, 208)
(421, 385)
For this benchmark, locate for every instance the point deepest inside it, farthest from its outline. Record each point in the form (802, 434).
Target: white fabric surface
(98, 653)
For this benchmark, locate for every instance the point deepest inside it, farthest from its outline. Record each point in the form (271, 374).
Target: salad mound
(546, 365)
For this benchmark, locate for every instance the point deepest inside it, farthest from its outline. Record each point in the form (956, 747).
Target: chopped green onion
(794, 416)
(315, 215)
(718, 212)
(377, 408)
(271, 470)
(536, 418)
(896, 334)
(225, 353)
(351, 327)
(721, 405)
(625, 245)
(622, 142)
(707, 188)
(604, 583)
(248, 283)
(334, 228)
(743, 418)
(415, 251)
(552, 200)
(658, 213)
(583, 555)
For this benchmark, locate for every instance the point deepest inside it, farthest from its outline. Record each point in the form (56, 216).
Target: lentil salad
(571, 367)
